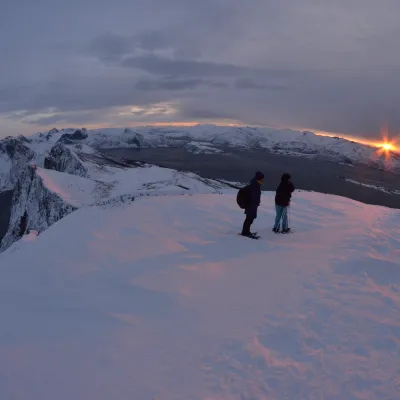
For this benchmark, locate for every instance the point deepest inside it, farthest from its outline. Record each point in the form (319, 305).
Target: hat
(285, 177)
(259, 175)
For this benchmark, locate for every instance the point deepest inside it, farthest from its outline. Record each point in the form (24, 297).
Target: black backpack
(242, 198)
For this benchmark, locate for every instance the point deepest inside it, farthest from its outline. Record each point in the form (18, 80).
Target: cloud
(296, 63)
(188, 113)
(117, 116)
(163, 66)
(110, 46)
(243, 83)
(176, 84)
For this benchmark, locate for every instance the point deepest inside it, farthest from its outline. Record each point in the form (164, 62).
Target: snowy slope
(161, 299)
(42, 197)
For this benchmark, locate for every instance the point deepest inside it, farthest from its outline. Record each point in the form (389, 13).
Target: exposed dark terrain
(5, 209)
(308, 174)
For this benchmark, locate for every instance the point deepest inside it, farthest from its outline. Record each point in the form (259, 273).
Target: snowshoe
(250, 235)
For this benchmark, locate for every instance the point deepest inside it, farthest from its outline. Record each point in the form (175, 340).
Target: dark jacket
(284, 192)
(254, 198)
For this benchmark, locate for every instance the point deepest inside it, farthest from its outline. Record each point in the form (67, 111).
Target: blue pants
(281, 213)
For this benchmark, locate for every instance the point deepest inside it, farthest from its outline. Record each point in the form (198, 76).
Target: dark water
(317, 175)
(5, 209)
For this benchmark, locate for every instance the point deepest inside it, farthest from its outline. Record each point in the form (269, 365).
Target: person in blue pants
(282, 202)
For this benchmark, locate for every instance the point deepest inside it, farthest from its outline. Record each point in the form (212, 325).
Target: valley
(310, 174)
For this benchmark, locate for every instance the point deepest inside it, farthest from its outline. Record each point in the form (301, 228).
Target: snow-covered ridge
(44, 196)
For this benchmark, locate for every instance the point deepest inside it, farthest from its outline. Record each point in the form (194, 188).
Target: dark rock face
(14, 147)
(136, 139)
(14, 156)
(24, 139)
(62, 159)
(23, 222)
(49, 134)
(70, 138)
(5, 211)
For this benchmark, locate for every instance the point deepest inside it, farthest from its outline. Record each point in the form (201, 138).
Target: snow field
(161, 299)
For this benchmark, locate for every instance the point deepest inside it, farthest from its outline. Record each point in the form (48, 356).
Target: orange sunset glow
(385, 145)
(386, 149)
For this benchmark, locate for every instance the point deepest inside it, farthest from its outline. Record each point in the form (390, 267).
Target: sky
(329, 66)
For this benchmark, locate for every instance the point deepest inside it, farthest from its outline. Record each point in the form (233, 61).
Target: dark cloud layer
(330, 66)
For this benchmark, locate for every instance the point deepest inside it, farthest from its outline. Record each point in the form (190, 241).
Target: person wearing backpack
(282, 202)
(249, 198)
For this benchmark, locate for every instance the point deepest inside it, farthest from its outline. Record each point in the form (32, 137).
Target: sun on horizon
(388, 147)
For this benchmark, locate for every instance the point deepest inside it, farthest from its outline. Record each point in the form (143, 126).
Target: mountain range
(17, 152)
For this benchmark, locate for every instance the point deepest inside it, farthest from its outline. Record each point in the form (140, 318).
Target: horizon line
(317, 132)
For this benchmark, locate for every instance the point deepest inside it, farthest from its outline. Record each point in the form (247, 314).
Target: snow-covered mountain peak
(76, 136)
(13, 147)
(61, 158)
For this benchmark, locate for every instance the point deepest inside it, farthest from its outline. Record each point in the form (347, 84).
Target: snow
(43, 142)
(161, 299)
(74, 190)
(376, 187)
(202, 148)
(112, 182)
(29, 238)
(156, 179)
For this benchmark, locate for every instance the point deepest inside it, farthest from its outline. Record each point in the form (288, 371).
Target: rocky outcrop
(70, 138)
(34, 207)
(5, 211)
(126, 138)
(63, 159)
(135, 139)
(14, 156)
